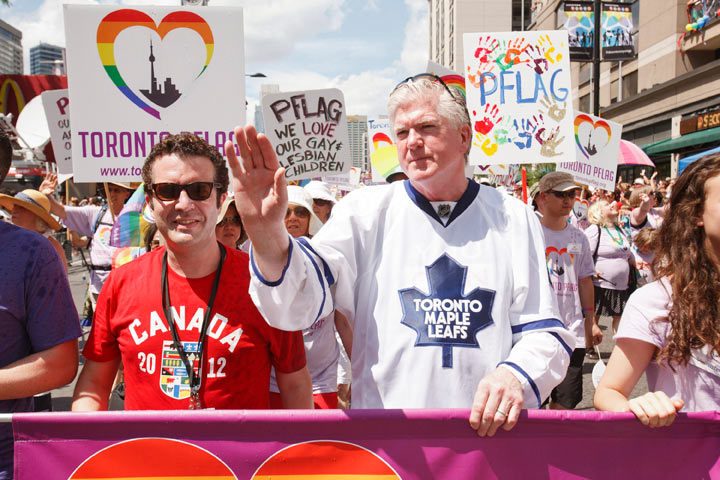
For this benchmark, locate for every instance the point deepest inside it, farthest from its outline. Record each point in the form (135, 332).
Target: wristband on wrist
(588, 309)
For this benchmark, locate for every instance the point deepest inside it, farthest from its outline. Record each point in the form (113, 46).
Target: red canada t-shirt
(240, 347)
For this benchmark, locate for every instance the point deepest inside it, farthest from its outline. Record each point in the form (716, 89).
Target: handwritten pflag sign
(309, 132)
(597, 148)
(518, 96)
(137, 75)
(382, 149)
(56, 104)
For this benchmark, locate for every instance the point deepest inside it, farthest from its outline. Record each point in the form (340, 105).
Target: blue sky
(362, 47)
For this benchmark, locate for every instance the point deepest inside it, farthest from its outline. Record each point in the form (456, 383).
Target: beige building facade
(667, 98)
(674, 80)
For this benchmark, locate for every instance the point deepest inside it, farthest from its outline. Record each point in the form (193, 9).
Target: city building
(668, 97)
(357, 136)
(450, 19)
(46, 59)
(265, 89)
(11, 51)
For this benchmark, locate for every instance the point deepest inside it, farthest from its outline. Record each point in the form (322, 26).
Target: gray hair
(449, 105)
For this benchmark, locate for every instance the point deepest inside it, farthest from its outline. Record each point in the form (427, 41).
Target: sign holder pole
(596, 58)
(107, 196)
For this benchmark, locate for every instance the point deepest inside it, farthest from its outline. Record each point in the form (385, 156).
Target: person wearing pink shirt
(670, 327)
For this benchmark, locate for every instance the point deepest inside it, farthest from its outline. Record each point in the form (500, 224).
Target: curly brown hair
(684, 258)
(186, 145)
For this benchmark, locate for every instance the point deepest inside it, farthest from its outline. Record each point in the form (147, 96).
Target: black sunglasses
(230, 220)
(568, 194)
(426, 76)
(196, 191)
(321, 202)
(300, 212)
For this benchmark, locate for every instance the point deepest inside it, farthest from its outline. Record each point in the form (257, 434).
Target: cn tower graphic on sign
(156, 94)
(163, 95)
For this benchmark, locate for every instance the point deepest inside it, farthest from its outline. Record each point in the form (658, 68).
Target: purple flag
(387, 444)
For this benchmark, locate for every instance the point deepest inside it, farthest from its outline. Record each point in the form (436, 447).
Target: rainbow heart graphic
(590, 149)
(456, 81)
(117, 21)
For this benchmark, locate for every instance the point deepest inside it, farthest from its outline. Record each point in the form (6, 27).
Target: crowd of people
(432, 292)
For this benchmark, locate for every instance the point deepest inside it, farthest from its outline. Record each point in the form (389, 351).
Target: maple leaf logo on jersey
(445, 317)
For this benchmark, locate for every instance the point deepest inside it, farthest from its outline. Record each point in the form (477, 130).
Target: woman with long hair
(612, 255)
(670, 327)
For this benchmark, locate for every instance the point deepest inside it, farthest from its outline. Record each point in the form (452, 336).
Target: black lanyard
(195, 380)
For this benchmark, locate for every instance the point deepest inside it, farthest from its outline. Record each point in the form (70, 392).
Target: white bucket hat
(298, 196)
(320, 190)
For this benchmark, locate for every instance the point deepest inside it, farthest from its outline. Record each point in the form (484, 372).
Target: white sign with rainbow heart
(139, 74)
(597, 148)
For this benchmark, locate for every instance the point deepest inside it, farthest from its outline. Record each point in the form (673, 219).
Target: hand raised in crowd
(645, 202)
(49, 184)
(260, 197)
(498, 401)
(655, 409)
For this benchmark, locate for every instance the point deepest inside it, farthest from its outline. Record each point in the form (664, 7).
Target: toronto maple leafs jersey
(435, 304)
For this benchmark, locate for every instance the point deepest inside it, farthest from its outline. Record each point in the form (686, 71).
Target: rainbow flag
(132, 222)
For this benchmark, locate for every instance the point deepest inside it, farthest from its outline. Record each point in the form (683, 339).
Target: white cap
(320, 190)
(298, 196)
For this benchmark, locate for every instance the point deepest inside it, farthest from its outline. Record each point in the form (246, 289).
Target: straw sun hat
(31, 200)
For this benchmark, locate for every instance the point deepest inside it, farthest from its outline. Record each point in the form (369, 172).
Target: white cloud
(274, 27)
(275, 30)
(365, 93)
(414, 56)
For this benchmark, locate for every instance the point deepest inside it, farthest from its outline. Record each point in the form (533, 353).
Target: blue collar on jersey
(465, 200)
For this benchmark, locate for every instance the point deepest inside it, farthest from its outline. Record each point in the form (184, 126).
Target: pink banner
(369, 444)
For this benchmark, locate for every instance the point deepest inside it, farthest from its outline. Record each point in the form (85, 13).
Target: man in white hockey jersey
(443, 280)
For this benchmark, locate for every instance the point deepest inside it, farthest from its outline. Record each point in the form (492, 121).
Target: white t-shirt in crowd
(568, 258)
(644, 319)
(82, 220)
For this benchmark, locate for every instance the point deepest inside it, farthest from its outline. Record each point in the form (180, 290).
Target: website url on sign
(116, 172)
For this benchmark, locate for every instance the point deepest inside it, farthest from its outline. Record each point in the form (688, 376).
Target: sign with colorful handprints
(382, 150)
(519, 97)
(597, 148)
(139, 74)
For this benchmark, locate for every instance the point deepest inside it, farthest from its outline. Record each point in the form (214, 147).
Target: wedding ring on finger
(501, 412)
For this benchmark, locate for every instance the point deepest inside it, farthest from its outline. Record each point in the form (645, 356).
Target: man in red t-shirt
(180, 317)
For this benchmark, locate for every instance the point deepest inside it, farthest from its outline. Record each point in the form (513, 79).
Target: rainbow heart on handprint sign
(591, 136)
(160, 95)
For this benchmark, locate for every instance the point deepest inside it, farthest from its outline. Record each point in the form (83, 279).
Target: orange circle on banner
(325, 459)
(148, 458)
